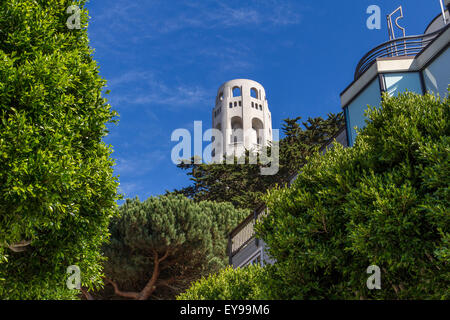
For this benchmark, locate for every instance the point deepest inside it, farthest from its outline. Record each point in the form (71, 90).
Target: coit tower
(242, 116)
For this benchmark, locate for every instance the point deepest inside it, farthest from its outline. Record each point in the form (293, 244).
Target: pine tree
(159, 246)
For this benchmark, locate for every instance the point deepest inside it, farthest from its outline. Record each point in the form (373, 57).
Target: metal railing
(401, 47)
(244, 233)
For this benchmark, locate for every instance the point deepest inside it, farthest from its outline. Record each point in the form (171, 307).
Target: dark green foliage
(383, 202)
(56, 180)
(192, 235)
(243, 185)
(230, 284)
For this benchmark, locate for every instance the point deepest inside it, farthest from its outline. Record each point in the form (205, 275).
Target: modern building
(243, 117)
(415, 63)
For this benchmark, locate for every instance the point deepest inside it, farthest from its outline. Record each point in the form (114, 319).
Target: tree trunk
(150, 287)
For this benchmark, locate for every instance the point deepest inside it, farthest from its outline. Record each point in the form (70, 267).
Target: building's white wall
(437, 74)
(248, 253)
(241, 106)
(241, 258)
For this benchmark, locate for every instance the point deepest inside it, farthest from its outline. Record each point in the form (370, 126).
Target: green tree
(165, 243)
(242, 184)
(57, 190)
(383, 202)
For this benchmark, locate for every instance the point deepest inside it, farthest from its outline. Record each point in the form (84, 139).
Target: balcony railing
(401, 47)
(244, 233)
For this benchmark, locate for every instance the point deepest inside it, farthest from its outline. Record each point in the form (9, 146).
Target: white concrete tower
(242, 115)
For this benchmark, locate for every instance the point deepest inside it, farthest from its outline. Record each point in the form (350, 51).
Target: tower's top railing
(401, 47)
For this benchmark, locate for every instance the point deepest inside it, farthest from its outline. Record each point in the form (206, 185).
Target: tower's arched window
(254, 93)
(258, 131)
(237, 92)
(237, 130)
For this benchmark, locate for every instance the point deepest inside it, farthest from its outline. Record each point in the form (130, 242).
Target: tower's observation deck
(242, 115)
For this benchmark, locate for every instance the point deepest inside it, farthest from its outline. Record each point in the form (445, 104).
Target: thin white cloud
(152, 91)
(125, 24)
(140, 164)
(159, 18)
(133, 170)
(128, 189)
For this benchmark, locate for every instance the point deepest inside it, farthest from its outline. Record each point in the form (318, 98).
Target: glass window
(400, 82)
(437, 74)
(371, 95)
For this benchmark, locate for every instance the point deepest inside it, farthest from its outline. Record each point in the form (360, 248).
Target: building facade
(418, 64)
(242, 115)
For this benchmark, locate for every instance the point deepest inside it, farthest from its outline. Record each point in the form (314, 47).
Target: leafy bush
(165, 243)
(229, 284)
(57, 190)
(383, 202)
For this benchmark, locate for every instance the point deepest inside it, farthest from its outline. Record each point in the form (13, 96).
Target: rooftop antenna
(391, 29)
(391, 24)
(443, 12)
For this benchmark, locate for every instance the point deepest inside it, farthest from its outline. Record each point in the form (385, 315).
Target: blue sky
(164, 61)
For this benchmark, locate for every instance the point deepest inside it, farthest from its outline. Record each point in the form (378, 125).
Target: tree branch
(117, 291)
(20, 246)
(164, 257)
(86, 294)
